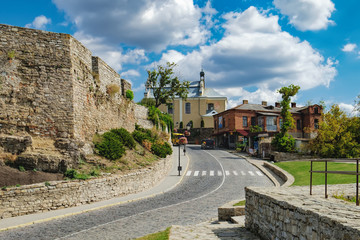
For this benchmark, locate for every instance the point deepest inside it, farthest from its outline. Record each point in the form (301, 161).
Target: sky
(248, 49)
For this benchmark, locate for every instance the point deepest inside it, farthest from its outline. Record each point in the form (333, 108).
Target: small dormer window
(316, 110)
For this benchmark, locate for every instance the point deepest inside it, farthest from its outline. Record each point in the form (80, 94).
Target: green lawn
(164, 235)
(300, 171)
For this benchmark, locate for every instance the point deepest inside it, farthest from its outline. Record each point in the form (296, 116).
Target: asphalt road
(214, 178)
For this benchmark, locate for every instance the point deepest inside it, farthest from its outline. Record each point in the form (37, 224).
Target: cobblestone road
(194, 201)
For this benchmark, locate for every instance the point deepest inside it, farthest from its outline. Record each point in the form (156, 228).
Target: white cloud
(39, 22)
(350, 47)
(255, 52)
(130, 72)
(113, 56)
(307, 14)
(348, 108)
(146, 24)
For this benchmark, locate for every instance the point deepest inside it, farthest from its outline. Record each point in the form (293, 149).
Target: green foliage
(159, 118)
(11, 54)
(202, 123)
(338, 135)
(47, 184)
(141, 134)
(164, 235)
(181, 125)
(255, 128)
(94, 173)
(241, 203)
(147, 102)
(21, 169)
(283, 142)
(129, 94)
(110, 147)
(73, 174)
(165, 85)
(125, 137)
(161, 149)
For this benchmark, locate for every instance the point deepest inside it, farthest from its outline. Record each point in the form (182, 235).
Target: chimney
(245, 101)
(293, 105)
(264, 103)
(277, 104)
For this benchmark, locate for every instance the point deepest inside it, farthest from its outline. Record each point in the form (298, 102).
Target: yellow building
(201, 104)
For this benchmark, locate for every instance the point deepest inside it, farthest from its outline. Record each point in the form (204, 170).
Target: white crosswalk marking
(251, 173)
(259, 173)
(235, 173)
(227, 173)
(243, 173)
(196, 173)
(212, 173)
(203, 173)
(219, 173)
(188, 173)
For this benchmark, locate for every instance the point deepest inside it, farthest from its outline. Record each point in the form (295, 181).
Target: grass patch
(164, 235)
(351, 199)
(300, 171)
(241, 203)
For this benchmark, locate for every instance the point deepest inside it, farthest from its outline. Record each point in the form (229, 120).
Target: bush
(129, 94)
(161, 149)
(112, 89)
(125, 137)
(70, 173)
(284, 143)
(110, 147)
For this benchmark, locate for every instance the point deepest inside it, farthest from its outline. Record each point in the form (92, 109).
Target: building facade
(199, 107)
(237, 125)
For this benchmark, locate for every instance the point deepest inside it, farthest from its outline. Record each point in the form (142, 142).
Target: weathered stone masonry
(52, 87)
(35, 198)
(291, 213)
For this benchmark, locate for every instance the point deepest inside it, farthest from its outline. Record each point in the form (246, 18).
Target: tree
(165, 85)
(338, 135)
(283, 141)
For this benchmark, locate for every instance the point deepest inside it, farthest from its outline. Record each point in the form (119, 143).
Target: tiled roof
(269, 108)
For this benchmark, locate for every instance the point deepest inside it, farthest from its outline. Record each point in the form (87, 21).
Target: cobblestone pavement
(194, 201)
(212, 230)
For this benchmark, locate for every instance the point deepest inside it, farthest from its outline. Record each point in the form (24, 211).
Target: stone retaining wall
(291, 213)
(43, 197)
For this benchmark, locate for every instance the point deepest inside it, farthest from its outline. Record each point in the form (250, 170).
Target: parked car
(207, 144)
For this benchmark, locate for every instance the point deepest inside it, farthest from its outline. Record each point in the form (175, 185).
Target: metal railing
(326, 172)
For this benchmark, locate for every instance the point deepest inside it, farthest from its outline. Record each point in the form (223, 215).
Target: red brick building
(233, 125)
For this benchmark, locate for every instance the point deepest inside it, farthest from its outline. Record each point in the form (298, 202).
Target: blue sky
(247, 48)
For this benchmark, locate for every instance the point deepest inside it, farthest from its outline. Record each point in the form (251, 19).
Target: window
(261, 122)
(220, 122)
(316, 123)
(245, 121)
(253, 121)
(187, 108)
(298, 124)
(210, 107)
(271, 124)
(316, 110)
(170, 108)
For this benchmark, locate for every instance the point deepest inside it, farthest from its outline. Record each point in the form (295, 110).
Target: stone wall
(291, 213)
(62, 194)
(51, 86)
(282, 156)
(35, 82)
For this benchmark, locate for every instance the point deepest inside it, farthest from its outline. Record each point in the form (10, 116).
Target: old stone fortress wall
(54, 96)
(52, 87)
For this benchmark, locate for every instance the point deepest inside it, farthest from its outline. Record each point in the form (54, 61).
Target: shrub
(181, 125)
(129, 94)
(47, 183)
(94, 173)
(147, 144)
(142, 134)
(110, 147)
(125, 137)
(161, 149)
(21, 169)
(70, 173)
(112, 89)
(284, 143)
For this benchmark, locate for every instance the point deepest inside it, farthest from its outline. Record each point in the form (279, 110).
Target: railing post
(357, 182)
(311, 167)
(326, 195)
